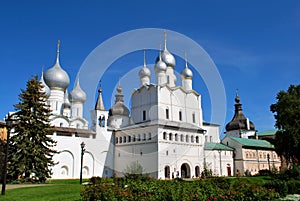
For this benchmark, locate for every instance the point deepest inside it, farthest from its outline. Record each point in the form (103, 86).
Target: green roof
(216, 146)
(253, 142)
(267, 132)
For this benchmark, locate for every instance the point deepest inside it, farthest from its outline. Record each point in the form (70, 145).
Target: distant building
(252, 153)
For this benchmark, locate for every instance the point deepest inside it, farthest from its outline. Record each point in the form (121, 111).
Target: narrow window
(194, 118)
(144, 137)
(210, 138)
(197, 139)
(117, 140)
(170, 137)
(206, 138)
(180, 116)
(144, 115)
(187, 138)
(176, 137)
(167, 153)
(124, 139)
(120, 139)
(165, 136)
(167, 113)
(149, 138)
(181, 138)
(139, 138)
(129, 138)
(134, 138)
(168, 79)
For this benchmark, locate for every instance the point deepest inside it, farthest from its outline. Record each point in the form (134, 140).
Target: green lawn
(69, 190)
(61, 190)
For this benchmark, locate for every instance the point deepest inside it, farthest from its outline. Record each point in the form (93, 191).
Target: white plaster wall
(56, 100)
(212, 133)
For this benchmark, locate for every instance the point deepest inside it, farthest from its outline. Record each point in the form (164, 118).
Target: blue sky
(254, 44)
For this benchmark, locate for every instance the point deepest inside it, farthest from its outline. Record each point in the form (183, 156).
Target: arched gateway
(185, 171)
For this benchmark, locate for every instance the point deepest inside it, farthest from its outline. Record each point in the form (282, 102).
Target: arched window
(194, 117)
(164, 135)
(181, 138)
(197, 139)
(192, 138)
(187, 138)
(176, 137)
(139, 137)
(167, 113)
(144, 137)
(149, 136)
(134, 139)
(124, 139)
(170, 136)
(117, 140)
(120, 139)
(180, 116)
(129, 138)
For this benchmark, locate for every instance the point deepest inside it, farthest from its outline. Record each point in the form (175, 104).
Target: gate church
(163, 131)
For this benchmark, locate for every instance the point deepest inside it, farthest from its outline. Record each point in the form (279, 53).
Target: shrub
(278, 185)
(293, 186)
(150, 189)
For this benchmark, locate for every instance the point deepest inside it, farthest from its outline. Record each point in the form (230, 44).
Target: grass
(69, 190)
(62, 190)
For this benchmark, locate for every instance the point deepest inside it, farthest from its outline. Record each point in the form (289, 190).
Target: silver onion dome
(168, 58)
(56, 77)
(45, 88)
(144, 72)
(160, 66)
(77, 94)
(186, 73)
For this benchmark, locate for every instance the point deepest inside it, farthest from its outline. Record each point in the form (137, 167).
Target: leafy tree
(287, 115)
(30, 151)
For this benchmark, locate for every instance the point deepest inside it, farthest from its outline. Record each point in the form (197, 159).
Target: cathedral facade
(163, 131)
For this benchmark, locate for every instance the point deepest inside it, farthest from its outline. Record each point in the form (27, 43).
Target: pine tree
(30, 151)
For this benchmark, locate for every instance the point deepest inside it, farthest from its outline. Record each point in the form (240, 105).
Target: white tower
(144, 73)
(160, 71)
(77, 97)
(170, 61)
(187, 77)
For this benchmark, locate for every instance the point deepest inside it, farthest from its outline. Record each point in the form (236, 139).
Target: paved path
(13, 186)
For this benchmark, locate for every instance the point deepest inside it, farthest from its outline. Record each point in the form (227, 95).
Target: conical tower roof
(239, 121)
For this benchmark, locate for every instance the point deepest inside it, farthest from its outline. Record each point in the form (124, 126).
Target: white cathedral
(163, 131)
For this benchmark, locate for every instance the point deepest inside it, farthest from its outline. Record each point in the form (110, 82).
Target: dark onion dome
(160, 66)
(186, 73)
(56, 77)
(239, 121)
(119, 108)
(77, 94)
(145, 71)
(45, 88)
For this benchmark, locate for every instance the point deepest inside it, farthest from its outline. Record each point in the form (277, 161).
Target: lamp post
(82, 145)
(8, 121)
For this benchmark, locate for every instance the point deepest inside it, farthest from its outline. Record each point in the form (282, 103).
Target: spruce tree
(31, 148)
